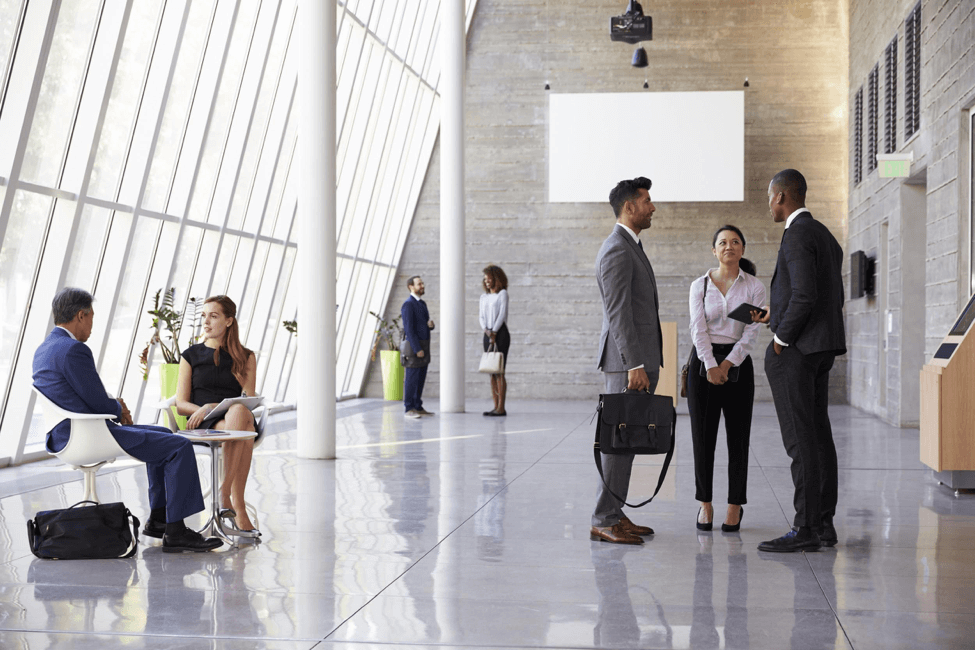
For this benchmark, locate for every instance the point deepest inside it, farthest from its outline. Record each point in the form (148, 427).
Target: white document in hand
(250, 403)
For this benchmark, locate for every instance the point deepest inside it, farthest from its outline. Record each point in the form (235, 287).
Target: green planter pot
(168, 376)
(393, 374)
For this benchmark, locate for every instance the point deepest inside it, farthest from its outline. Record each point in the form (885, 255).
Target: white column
(316, 230)
(453, 47)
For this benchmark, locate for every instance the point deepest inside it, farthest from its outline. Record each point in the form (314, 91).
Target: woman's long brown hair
(231, 339)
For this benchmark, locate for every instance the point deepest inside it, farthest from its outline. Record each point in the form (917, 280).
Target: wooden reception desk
(667, 384)
(948, 405)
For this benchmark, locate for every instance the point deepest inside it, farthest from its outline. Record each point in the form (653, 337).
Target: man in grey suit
(630, 346)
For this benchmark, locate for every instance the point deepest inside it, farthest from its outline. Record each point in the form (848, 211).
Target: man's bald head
(792, 183)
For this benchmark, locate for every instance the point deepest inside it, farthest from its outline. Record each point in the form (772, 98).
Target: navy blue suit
(415, 318)
(64, 371)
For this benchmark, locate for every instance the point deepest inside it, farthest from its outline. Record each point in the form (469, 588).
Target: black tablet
(743, 313)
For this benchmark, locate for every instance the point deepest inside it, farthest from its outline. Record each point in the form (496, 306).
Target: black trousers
(706, 402)
(800, 389)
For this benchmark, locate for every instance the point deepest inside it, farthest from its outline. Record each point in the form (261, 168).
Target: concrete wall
(919, 227)
(796, 113)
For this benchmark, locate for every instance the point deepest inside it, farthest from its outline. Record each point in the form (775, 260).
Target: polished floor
(461, 531)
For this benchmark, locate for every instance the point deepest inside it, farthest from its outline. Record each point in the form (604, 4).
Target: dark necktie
(640, 244)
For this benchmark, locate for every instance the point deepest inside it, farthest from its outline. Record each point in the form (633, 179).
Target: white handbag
(492, 361)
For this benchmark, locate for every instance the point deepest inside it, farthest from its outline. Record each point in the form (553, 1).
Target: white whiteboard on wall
(691, 145)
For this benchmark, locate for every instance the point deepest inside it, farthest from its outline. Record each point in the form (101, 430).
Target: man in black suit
(806, 317)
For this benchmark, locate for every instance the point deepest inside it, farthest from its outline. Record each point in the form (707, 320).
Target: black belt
(722, 349)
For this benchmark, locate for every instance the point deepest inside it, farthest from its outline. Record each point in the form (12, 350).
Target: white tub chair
(90, 444)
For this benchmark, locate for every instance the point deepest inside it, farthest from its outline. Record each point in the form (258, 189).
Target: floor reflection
(814, 597)
(616, 623)
(704, 630)
(73, 603)
(467, 531)
(489, 520)
(170, 601)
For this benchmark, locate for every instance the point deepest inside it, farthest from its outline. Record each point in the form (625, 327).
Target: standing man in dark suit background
(806, 317)
(64, 372)
(416, 327)
(630, 345)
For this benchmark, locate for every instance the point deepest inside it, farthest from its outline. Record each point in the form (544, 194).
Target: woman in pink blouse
(721, 378)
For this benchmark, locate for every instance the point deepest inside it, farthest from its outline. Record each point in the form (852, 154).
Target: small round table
(214, 439)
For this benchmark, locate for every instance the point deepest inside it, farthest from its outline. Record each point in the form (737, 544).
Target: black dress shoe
(189, 540)
(700, 526)
(725, 528)
(488, 413)
(792, 541)
(154, 529)
(827, 535)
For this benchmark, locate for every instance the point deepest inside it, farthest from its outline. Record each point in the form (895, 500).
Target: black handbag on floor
(96, 532)
(635, 423)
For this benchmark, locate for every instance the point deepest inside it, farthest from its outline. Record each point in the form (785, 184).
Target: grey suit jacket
(631, 323)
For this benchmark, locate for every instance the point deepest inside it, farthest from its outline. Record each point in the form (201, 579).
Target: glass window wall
(151, 144)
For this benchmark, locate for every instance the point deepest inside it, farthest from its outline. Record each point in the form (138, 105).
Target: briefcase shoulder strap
(135, 533)
(663, 472)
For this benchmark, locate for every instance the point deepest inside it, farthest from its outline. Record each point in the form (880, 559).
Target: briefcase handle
(32, 536)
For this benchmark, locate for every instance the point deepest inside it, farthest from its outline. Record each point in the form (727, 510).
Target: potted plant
(393, 371)
(167, 325)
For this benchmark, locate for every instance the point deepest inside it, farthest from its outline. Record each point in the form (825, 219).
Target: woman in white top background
(493, 316)
(721, 377)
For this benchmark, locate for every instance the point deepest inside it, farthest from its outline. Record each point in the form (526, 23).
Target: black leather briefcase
(635, 423)
(84, 532)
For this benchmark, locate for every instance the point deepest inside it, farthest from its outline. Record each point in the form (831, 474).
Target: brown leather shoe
(615, 535)
(633, 529)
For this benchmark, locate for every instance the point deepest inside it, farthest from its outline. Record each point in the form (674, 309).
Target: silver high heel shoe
(233, 529)
(248, 533)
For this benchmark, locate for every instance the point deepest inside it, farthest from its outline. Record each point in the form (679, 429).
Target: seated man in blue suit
(64, 371)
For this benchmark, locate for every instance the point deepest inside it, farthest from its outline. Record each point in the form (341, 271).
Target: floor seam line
(836, 614)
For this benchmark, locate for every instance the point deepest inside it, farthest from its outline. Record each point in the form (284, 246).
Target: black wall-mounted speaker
(862, 275)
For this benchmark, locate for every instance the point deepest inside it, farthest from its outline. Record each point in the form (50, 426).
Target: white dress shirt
(493, 310)
(792, 217)
(710, 322)
(788, 222)
(68, 331)
(636, 238)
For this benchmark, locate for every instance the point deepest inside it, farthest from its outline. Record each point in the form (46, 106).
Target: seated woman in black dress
(210, 372)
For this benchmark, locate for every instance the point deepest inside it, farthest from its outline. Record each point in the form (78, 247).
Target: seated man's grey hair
(68, 302)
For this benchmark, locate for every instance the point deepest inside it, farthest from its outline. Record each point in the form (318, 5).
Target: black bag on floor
(96, 532)
(635, 423)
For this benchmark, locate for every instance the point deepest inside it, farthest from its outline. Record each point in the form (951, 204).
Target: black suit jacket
(807, 289)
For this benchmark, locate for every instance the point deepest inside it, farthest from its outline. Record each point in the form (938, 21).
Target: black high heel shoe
(725, 528)
(700, 526)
